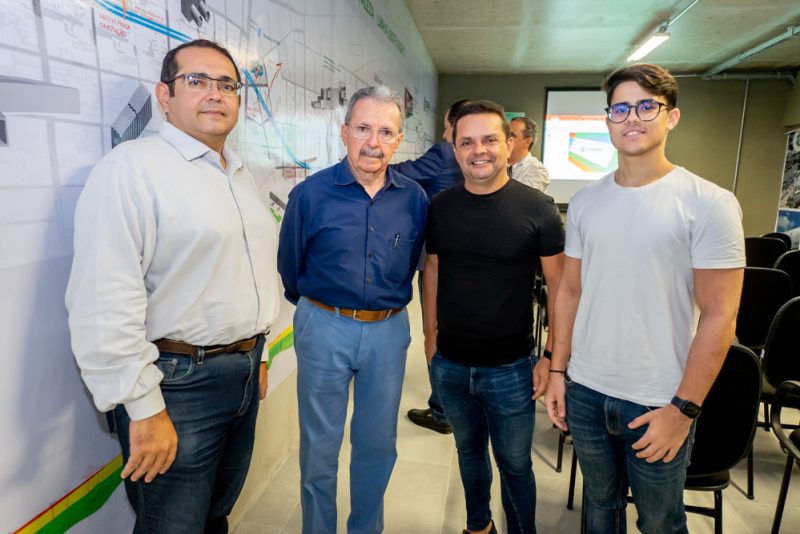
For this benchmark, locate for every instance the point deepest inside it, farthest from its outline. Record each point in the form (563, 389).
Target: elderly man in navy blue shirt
(348, 249)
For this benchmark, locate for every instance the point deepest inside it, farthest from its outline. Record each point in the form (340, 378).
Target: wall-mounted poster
(789, 205)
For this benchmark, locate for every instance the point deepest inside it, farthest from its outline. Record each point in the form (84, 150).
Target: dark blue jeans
(483, 403)
(603, 443)
(213, 406)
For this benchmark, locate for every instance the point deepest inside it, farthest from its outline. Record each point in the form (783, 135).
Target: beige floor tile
(280, 497)
(247, 527)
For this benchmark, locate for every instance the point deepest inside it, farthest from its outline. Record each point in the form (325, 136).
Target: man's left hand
(541, 374)
(262, 381)
(667, 430)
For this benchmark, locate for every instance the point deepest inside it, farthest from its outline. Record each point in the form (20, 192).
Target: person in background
(523, 166)
(436, 170)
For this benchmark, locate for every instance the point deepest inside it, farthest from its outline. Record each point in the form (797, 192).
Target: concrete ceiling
(556, 36)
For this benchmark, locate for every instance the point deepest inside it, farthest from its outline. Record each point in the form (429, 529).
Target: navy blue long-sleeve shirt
(343, 248)
(435, 170)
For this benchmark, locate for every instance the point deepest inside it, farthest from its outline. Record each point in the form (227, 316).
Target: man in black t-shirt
(484, 241)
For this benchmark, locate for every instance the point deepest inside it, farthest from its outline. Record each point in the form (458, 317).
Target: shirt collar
(191, 148)
(523, 161)
(344, 176)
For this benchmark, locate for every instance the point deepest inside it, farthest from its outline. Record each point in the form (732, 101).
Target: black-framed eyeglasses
(202, 83)
(646, 110)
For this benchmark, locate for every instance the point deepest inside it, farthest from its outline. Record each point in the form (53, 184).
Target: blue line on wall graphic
(178, 36)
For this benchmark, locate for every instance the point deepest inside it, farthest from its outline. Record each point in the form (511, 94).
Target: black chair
(781, 351)
(763, 293)
(789, 262)
(725, 429)
(783, 237)
(790, 444)
(763, 251)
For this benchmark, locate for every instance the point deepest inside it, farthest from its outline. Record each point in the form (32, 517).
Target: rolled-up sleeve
(115, 234)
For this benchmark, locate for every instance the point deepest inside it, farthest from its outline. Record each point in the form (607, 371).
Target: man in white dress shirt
(523, 167)
(173, 285)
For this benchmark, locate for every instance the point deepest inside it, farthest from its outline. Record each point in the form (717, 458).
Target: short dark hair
(479, 107)
(169, 66)
(530, 129)
(652, 78)
(454, 110)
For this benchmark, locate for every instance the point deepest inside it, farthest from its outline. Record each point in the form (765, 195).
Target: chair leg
(583, 509)
(766, 417)
(787, 475)
(573, 474)
(718, 512)
(750, 493)
(560, 455)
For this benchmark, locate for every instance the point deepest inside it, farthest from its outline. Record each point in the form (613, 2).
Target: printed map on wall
(78, 78)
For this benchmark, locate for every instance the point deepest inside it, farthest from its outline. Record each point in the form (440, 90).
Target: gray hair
(530, 130)
(381, 93)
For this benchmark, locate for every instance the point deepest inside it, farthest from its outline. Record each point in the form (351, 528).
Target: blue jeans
(434, 403)
(603, 443)
(492, 402)
(332, 351)
(213, 406)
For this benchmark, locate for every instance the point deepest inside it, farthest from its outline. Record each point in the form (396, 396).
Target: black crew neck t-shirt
(488, 248)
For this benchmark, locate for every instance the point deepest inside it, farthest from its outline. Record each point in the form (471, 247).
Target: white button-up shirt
(531, 172)
(168, 244)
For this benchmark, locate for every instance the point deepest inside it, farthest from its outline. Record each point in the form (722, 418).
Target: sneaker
(424, 418)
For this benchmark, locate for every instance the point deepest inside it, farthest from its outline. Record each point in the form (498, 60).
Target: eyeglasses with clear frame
(364, 132)
(201, 83)
(647, 110)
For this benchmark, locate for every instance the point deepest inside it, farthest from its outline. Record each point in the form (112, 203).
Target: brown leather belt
(366, 316)
(179, 347)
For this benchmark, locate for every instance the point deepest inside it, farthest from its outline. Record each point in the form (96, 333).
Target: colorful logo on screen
(592, 152)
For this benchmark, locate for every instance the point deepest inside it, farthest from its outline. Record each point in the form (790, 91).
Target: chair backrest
(763, 293)
(727, 423)
(782, 348)
(786, 238)
(789, 262)
(763, 251)
(787, 394)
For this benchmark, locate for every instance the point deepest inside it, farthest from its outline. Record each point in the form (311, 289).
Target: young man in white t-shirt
(646, 311)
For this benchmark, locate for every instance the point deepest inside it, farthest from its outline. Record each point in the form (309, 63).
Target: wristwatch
(687, 408)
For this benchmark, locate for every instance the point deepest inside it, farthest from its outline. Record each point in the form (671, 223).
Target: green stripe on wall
(85, 506)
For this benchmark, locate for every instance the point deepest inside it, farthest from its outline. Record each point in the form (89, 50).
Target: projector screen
(577, 149)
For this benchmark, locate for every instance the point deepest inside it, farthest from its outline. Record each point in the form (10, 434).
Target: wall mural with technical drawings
(78, 78)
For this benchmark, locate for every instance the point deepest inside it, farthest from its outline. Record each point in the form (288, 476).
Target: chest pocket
(398, 259)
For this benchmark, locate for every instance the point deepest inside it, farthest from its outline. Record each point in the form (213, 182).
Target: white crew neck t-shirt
(638, 247)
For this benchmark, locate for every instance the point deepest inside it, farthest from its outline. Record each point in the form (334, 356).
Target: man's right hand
(153, 443)
(555, 400)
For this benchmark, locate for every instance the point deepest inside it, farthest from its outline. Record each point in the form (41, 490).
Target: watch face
(687, 408)
(691, 410)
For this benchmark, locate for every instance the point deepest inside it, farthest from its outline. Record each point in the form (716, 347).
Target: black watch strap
(687, 408)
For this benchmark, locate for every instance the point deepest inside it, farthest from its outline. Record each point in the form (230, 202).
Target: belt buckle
(355, 315)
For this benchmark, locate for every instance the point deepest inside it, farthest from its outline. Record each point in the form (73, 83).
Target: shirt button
(369, 279)
(371, 228)
(369, 254)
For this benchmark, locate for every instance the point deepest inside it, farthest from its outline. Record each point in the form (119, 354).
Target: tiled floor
(425, 494)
